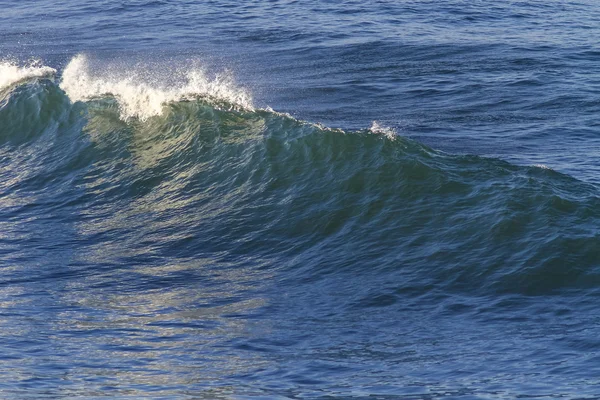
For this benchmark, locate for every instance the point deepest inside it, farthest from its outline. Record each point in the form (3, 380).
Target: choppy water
(294, 199)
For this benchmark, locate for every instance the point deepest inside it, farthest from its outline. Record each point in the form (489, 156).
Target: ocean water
(300, 199)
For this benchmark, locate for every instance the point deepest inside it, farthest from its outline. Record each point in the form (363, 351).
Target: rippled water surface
(299, 199)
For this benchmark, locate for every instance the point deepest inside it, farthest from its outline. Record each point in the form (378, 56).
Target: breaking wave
(11, 73)
(221, 176)
(145, 96)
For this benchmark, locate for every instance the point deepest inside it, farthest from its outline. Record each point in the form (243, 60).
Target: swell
(204, 178)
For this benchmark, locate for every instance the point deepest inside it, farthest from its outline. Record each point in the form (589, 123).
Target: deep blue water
(300, 199)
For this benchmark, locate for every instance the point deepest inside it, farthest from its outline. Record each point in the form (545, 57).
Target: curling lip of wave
(11, 73)
(140, 99)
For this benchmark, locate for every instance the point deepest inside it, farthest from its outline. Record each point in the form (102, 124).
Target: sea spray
(11, 72)
(140, 96)
(385, 131)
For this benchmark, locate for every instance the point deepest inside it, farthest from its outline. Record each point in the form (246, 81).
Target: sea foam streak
(11, 73)
(141, 99)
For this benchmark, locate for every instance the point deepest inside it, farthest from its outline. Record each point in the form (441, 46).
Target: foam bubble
(11, 73)
(140, 96)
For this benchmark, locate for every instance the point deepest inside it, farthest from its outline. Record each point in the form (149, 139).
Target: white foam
(11, 73)
(143, 97)
(377, 129)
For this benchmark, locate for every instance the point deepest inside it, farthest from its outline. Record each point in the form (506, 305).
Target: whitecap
(11, 73)
(142, 95)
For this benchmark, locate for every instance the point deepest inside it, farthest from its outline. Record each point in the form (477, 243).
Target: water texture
(293, 200)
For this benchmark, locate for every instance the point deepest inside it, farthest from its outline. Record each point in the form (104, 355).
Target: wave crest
(11, 73)
(377, 129)
(141, 99)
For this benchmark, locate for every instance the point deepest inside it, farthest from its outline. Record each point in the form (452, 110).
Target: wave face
(251, 246)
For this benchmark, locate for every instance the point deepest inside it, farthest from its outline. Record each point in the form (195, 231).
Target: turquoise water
(299, 200)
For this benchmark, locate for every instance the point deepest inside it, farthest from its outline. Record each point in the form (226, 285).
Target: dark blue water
(286, 199)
